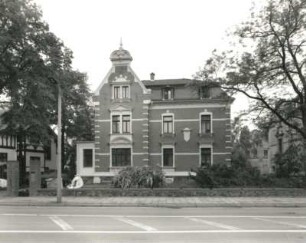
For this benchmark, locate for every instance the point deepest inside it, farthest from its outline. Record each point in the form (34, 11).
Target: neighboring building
(259, 154)
(9, 152)
(278, 140)
(156, 123)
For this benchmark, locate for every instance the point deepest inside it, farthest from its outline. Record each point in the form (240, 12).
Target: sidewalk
(156, 201)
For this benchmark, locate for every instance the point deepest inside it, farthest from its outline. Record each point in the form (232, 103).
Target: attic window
(168, 93)
(204, 92)
(121, 92)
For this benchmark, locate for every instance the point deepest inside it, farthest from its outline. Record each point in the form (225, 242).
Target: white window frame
(162, 120)
(173, 155)
(119, 147)
(80, 150)
(120, 114)
(121, 91)
(129, 91)
(211, 122)
(172, 93)
(211, 153)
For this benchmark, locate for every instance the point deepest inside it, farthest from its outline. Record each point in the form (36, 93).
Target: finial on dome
(121, 54)
(121, 43)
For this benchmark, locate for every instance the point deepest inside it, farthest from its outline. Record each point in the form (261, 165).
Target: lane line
(218, 225)
(282, 223)
(146, 232)
(157, 216)
(61, 223)
(19, 214)
(136, 224)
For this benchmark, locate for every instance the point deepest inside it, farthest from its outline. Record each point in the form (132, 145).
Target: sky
(171, 38)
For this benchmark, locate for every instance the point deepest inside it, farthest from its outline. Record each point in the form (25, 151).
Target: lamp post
(59, 146)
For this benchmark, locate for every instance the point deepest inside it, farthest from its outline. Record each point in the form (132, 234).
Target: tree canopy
(33, 63)
(267, 62)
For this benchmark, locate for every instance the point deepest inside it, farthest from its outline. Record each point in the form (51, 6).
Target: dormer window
(204, 92)
(168, 93)
(121, 92)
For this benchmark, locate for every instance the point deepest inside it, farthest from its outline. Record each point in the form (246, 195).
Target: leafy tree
(267, 63)
(33, 63)
(289, 163)
(241, 149)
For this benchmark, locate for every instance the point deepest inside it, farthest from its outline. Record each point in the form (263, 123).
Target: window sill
(110, 134)
(116, 169)
(121, 100)
(207, 135)
(167, 135)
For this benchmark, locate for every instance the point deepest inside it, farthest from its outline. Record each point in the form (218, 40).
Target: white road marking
(282, 223)
(136, 224)
(158, 216)
(61, 223)
(147, 232)
(19, 214)
(218, 225)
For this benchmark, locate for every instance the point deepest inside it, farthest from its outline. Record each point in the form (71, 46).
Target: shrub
(225, 176)
(138, 177)
(290, 163)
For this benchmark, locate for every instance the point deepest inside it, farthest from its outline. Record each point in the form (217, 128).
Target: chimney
(152, 76)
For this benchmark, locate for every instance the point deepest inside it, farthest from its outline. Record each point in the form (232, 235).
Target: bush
(290, 163)
(131, 177)
(224, 176)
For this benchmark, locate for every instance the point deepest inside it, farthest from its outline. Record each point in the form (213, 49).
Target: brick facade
(156, 123)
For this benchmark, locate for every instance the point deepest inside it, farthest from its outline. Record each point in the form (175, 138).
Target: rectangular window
(255, 153)
(125, 92)
(167, 124)
(205, 156)
(3, 157)
(204, 93)
(280, 145)
(265, 154)
(48, 152)
(168, 93)
(168, 157)
(126, 124)
(87, 158)
(121, 157)
(116, 92)
(116, 124)
(205, 124)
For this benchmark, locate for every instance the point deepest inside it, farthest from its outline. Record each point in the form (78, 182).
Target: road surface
(143, 224)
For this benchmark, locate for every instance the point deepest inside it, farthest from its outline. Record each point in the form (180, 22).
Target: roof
(120, 55)
(161, 82)
(182, 81)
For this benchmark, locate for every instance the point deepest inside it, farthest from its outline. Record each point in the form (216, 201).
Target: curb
(162, 205)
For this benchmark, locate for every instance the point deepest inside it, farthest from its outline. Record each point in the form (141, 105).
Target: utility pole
(59, 146)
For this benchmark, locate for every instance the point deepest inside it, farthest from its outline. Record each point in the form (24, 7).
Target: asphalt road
(96, 224)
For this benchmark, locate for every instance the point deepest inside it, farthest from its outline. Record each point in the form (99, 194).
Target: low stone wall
(179, 192)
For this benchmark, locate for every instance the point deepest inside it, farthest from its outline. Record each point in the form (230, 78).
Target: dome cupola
(121, 55)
